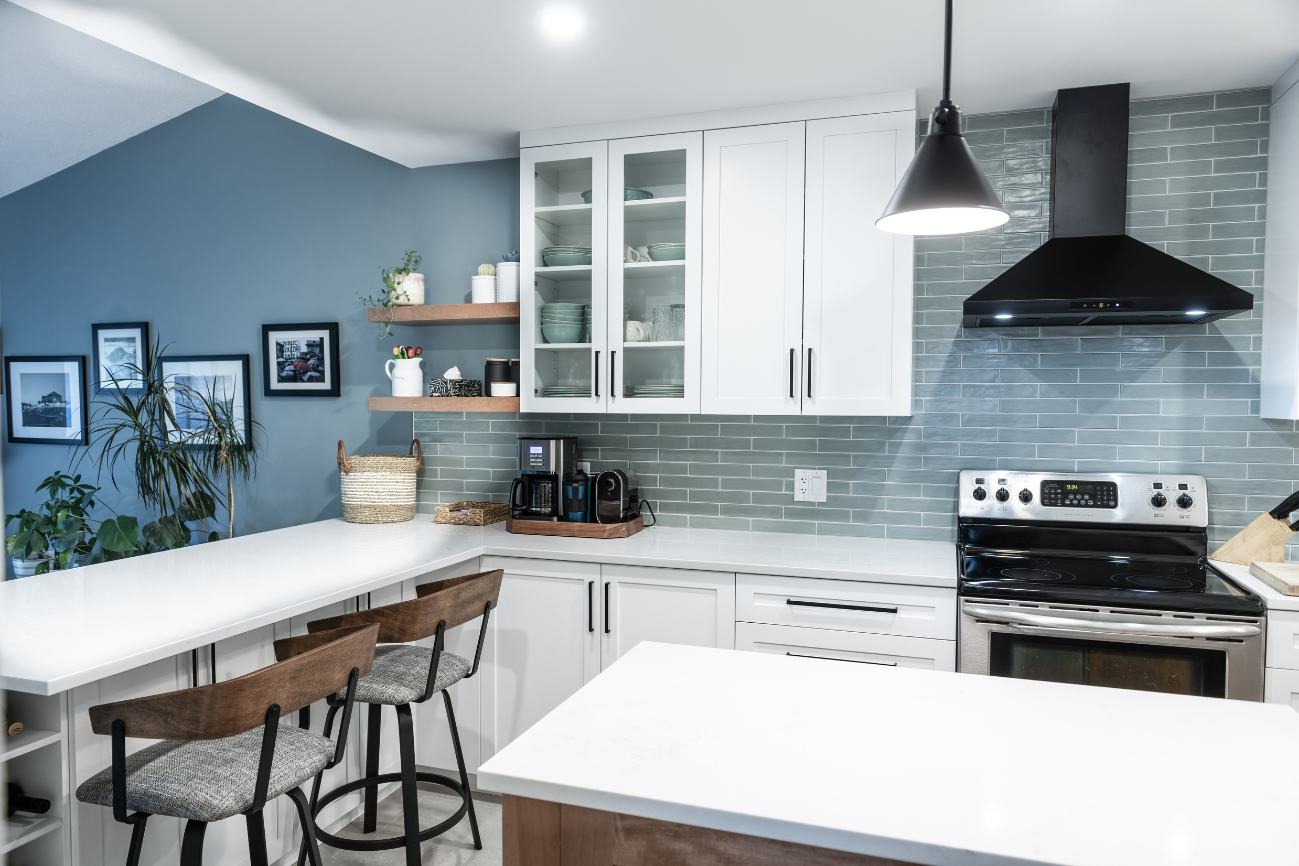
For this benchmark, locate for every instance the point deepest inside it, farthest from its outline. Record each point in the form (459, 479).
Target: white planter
(409, 291)
(406, 375)
(507, 282)
(483, 290)
(27, 567)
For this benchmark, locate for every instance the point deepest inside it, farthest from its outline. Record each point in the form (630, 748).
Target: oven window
(1145, 667)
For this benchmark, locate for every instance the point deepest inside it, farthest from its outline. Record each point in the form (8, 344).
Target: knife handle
(1287, 507)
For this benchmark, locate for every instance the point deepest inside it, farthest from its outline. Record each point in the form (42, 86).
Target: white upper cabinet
(857, 279)
(563, 204)
(1280, 368)
(753, 269)
(655, 191)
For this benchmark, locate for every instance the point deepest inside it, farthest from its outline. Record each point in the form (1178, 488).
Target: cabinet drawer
(1283, 639)
(1281, 687)
(847, 605)
(876, 649)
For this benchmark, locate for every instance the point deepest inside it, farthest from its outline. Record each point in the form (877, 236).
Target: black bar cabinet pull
(590, 606)
(607, 630)
(836, 659)
(868, 608)
(597, 373)
(809, 372)
(613, 379)
(793, 359)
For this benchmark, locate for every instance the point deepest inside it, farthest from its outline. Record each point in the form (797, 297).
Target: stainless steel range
(1101, 579)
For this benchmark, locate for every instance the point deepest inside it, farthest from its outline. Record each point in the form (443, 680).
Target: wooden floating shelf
(444, 404)
(445, 314)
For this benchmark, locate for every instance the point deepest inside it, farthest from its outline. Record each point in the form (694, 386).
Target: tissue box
(440, 387)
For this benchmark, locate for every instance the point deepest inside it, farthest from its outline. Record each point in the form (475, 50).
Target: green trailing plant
(225, 452)
(392, 289)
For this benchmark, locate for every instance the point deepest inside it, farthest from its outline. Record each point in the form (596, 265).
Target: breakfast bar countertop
(69, 628)
(920, 766)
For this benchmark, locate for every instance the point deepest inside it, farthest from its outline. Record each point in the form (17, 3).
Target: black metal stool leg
(191, 846)
(372, 769)
(309, 847)
(137, 840)
(256, 838)
(409, 784)
(460, 764)
(315, 793)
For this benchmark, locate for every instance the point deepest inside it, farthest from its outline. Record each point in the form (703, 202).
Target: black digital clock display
(1079, 494)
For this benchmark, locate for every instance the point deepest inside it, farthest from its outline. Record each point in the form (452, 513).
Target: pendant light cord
(947, 54)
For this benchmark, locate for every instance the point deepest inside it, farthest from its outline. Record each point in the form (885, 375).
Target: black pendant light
(943, 192)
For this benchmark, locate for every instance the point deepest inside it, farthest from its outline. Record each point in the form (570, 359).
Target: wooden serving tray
(575, 530)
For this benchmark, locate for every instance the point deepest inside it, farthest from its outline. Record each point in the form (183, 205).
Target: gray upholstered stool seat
(208, 780)
(400, 674)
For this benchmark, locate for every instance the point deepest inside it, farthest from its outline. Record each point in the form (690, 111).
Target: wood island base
(543, 833)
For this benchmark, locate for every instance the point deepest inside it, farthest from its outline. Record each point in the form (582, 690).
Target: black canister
(495, 370)
(576, 490)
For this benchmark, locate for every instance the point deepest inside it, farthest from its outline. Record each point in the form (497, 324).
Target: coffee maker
(544, 463)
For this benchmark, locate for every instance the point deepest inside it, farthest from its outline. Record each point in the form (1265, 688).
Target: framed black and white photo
(121, 352)
(300, 360)
(192, 379)
(46, 399)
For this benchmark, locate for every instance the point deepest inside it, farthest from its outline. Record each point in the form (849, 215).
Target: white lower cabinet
(668, 605)
(819, 643)
(1281, 686)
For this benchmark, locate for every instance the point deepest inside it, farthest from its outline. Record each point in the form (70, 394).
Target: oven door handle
(1048, 622)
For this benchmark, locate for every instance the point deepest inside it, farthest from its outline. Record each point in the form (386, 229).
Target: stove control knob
(980, 494)
(1002, 494)
(1026, 495)
(1185, 501)
(1159, 500)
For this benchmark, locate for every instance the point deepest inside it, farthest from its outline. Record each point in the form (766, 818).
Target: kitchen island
(750, 754)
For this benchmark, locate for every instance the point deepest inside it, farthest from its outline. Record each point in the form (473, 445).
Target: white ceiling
(65, 96)
(435, 81)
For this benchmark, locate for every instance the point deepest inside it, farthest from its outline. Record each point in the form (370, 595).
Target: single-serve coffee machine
(544, 463)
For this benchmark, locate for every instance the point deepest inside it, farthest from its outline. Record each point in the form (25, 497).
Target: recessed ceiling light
(561, 23)
(1195, 312)
(1003, 316)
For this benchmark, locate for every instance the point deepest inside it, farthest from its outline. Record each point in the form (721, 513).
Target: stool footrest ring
(388, 842)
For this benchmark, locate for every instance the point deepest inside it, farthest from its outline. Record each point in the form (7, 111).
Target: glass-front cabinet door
(563, 278)
(653, 328)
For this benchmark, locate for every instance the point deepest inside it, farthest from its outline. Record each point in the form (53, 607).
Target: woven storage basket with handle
(379, 488)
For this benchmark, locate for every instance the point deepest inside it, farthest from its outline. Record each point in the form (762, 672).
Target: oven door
(1192, 654)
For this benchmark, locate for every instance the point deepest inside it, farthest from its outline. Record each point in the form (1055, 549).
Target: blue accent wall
(229, 217)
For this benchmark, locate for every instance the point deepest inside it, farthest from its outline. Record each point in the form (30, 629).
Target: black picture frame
(273, 365)
(180, 365)
(142, 340)
(77, 406)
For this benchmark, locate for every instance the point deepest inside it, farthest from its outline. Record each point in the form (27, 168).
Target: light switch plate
(809, 485)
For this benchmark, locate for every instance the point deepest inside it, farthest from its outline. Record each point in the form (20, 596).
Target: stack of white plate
(566, 391)
(660, 391)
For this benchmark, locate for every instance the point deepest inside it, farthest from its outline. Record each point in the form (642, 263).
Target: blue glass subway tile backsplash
(1175, 399)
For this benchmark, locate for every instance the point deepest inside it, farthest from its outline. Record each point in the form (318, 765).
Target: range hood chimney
(1089, 272)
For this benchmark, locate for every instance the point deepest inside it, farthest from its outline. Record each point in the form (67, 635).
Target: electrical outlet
(809, 485)
(584, 466)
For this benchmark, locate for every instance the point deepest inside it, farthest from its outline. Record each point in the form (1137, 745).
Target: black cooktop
(1176, 584)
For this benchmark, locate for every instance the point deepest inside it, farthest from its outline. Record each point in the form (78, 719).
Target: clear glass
(562, 225)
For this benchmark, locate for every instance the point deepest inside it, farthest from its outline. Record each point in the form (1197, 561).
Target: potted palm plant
(224, 453)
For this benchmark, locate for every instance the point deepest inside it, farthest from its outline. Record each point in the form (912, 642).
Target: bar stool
(214, 762)
(403, 675)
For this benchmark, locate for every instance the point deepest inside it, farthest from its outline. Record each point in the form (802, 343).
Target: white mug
(634, 331)
(631, 254)
(406, 375)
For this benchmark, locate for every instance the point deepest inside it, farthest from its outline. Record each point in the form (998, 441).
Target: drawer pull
(793, 602)
(835, 659)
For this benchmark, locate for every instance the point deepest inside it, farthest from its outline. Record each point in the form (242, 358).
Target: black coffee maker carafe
(544, 463)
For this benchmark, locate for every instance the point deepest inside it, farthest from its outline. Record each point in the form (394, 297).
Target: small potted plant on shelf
(483, 285)
(402, 286)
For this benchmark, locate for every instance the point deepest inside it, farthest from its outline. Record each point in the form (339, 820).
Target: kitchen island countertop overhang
(70, 628)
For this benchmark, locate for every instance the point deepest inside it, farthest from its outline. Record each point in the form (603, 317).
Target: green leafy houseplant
(392, 278)
(224, 453)
(59, 532)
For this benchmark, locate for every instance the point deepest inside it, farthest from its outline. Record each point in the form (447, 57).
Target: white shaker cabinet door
(543, 646)
(668, 605)
(858, 280)
(753, 269)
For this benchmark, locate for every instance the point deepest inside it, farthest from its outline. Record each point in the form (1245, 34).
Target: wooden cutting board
(1281, 576)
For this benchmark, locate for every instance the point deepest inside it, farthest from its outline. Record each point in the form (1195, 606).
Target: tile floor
(455, 848)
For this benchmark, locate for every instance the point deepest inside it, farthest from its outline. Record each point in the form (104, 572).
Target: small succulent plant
(487, 270)
(510, 256)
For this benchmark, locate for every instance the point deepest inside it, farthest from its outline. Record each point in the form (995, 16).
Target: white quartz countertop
(921, 766)
(69, 628)
(1273, 599)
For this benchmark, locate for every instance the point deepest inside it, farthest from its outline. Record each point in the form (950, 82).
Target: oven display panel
(1080, 494)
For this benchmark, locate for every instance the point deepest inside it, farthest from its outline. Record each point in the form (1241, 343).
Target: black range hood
(1089, 272)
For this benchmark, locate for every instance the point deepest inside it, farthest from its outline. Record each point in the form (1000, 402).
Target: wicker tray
(471, 513)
